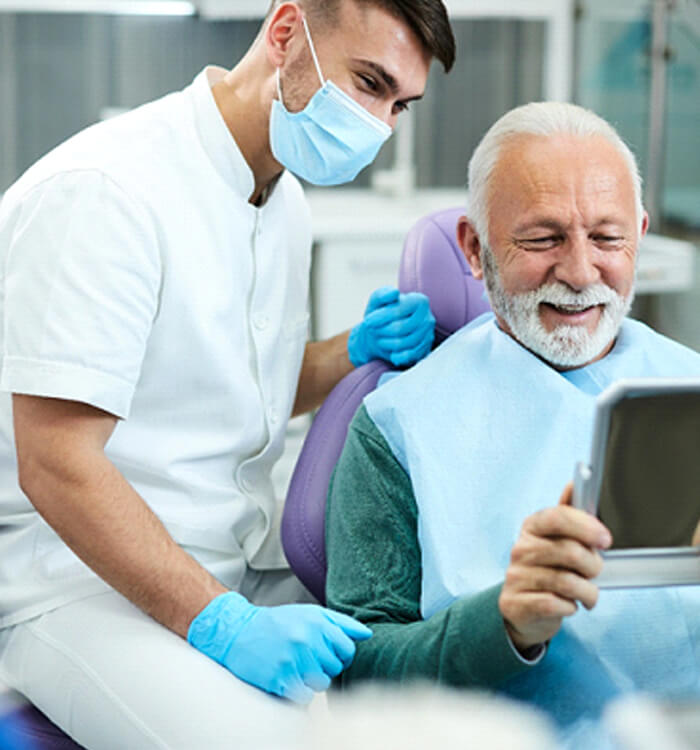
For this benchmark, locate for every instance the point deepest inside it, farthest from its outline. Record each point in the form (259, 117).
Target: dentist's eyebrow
(388, 79)
(383, 73)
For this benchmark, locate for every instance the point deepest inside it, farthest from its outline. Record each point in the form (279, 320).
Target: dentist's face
(563, 238)
(369, 53)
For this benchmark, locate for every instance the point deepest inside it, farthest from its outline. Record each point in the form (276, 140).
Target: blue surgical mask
(331, 139)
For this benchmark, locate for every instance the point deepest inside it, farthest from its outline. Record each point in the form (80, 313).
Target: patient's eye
(544, 242)
(608, 240)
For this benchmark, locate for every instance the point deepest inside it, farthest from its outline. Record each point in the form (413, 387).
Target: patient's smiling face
(563, 237)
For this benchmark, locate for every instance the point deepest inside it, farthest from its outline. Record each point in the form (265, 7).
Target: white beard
(566, 345)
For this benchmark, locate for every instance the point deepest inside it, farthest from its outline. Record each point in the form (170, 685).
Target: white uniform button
(260, 321)
(273, 416)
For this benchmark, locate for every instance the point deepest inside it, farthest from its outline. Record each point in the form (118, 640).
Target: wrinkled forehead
(584, 173)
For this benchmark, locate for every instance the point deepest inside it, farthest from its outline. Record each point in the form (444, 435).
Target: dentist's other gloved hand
(291, 650)
(396, 327)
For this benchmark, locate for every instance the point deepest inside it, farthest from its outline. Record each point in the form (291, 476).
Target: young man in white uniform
(154, 310)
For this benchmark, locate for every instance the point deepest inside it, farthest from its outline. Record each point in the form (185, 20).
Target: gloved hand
(396, 327)
(290, 650)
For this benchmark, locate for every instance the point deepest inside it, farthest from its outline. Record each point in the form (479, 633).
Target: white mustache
(558, 293)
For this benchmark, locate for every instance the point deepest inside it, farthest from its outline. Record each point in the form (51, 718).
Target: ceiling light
(127, 7)
(229, 9)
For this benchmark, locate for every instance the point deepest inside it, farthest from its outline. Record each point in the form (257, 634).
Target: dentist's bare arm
(325, 364)
(65, 473)
(551, 565)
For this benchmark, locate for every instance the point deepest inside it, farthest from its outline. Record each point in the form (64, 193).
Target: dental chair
(25, 728)
(432, 262)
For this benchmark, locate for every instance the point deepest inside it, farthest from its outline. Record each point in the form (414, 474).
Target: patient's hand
(550, 567)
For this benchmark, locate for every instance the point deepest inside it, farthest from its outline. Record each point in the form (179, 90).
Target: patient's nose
(576, 267)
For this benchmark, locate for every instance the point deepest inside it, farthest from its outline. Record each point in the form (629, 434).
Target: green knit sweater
(374, 575)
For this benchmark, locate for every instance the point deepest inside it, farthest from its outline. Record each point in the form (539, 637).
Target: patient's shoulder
(441, 365)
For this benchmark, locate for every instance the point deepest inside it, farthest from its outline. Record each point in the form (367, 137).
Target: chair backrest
(432, 262)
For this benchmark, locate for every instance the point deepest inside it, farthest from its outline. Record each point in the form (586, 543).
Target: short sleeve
(80, 284)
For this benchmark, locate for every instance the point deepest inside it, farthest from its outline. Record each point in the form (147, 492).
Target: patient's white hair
(428, 716)
(538, 118)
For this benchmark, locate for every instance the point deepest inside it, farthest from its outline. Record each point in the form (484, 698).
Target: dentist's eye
(368, 83)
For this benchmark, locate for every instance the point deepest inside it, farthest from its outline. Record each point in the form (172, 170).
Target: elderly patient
(443, 531)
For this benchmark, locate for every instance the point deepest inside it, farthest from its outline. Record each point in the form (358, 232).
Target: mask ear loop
(279, 87)
(313, 55)
(313, 51)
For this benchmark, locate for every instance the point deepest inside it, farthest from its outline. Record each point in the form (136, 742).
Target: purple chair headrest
(433, 263)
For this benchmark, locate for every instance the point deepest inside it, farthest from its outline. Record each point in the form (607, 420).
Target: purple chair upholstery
(432, 262)
(26, 728)
(303, 522)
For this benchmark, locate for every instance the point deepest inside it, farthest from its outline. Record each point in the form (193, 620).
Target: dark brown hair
(426, 18)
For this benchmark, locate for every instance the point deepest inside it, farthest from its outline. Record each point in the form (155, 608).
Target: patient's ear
(645, 224)
(468, 240)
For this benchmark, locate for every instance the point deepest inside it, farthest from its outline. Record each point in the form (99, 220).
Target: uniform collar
(215, 136)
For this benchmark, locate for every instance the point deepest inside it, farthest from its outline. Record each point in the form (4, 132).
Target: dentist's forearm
(92, 507)
(110, 528)
(325, 364)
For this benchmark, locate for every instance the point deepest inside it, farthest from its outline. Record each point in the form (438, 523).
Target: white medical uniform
(137, 278)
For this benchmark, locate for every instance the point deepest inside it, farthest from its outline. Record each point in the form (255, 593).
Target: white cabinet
(359, 236)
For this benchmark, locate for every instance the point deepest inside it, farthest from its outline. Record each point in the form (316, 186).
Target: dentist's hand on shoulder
(551, 567)
(290, 650)
(396, 327)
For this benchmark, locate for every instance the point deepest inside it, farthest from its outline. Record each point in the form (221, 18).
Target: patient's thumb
(567, 496)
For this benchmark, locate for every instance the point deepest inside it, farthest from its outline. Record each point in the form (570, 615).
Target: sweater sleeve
(374, 575)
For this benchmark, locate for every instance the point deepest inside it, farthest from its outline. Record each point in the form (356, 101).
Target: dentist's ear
(468, 240)
(280, 32)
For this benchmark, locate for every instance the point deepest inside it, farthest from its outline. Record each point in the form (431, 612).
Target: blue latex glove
(396, 327)
(290, 650)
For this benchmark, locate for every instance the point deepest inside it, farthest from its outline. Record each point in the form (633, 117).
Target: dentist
(154, 321)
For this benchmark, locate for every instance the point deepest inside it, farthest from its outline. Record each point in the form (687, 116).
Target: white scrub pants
(114, 679)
